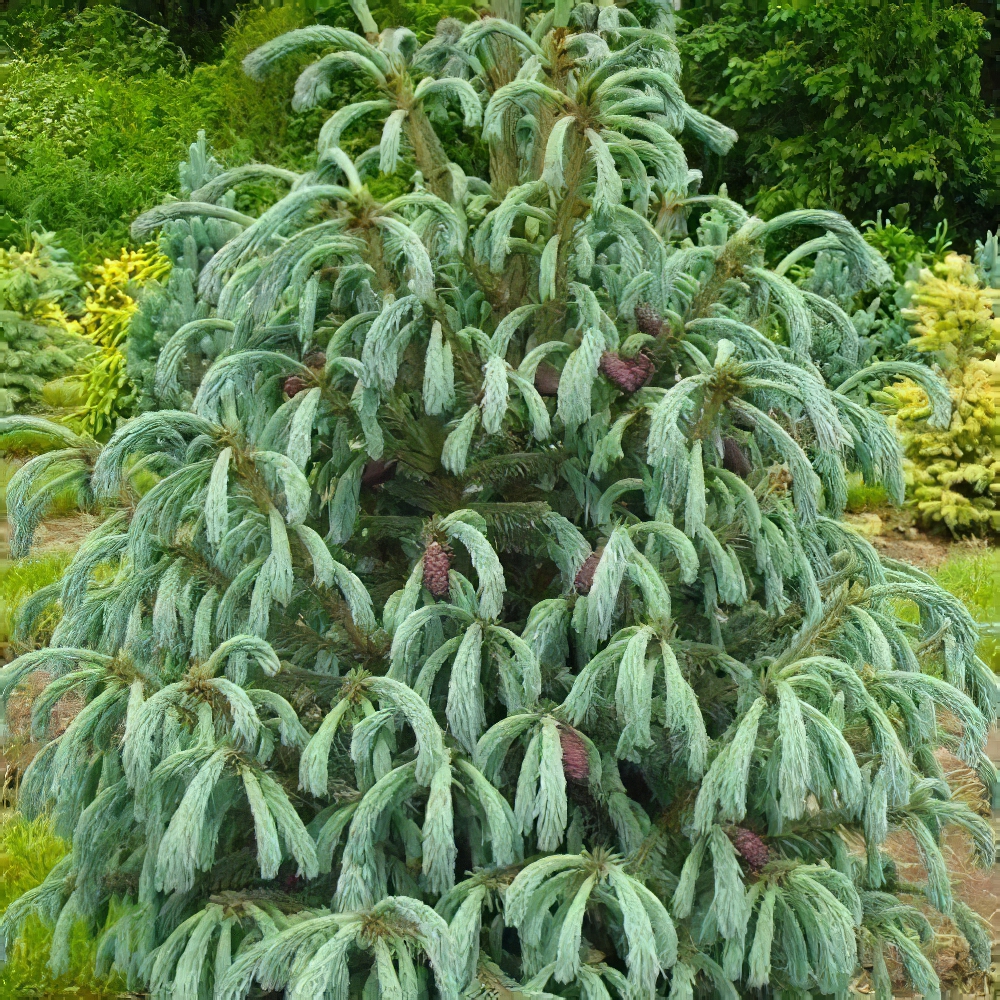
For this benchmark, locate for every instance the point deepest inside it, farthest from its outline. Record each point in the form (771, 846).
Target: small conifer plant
(408, 678)
(39, 342)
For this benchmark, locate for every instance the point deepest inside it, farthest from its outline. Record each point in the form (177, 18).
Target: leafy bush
(419, 15)
(905, 251)
(103, 39)
(953, 474)
(194, 29)
(98, 108)
(86, 151)
(856, 106)
(90, 140)
(252, 120)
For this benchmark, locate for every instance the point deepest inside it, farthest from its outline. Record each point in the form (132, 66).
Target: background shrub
(90, 140)
(953, 475)
(39, 341)
(854, 107)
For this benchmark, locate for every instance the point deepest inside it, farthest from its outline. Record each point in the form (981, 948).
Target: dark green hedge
(847, 105)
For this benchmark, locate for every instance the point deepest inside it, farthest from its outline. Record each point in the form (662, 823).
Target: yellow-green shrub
(106, 390)
(953, 475)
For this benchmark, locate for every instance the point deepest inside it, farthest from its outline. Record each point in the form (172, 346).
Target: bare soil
(894, 534)
(926, 552)
(20, 747)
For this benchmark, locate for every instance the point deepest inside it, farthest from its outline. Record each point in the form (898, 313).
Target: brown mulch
(53, 534)
(19, 748)
(978, 887)
(892, 531)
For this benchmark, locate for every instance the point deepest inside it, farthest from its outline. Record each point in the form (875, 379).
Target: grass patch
(28, 851)
(862, 497)
(7, 469)
(973, 574)
(22, 578)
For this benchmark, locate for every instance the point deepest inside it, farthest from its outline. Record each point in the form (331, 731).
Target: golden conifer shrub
(106, 389)
(953, 475)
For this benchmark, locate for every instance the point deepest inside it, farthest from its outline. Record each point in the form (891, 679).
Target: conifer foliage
(404, 679)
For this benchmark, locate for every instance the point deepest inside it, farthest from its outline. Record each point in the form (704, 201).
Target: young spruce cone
(629, 374)
(779, 479)
(751, 848)
(585, 575)
(315, 359)
(547, 380)
(648, 320)
(576, 765)
(734, 458)
(437, 562)
(294, 384)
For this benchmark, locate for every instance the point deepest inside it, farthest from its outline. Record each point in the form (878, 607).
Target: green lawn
(21, 578)
(28, 851)
(973, 574)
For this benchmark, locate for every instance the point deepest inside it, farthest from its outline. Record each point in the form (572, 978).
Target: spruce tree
(167, 305)
(489, 628)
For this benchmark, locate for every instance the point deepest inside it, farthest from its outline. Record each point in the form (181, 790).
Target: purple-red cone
(629, 374)
(648, 320)
(437, 562)
(751, 848)
(734, 458)
(377, 471)
(585, 574)
(576, 764)
(547, 380)
(294, 384)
